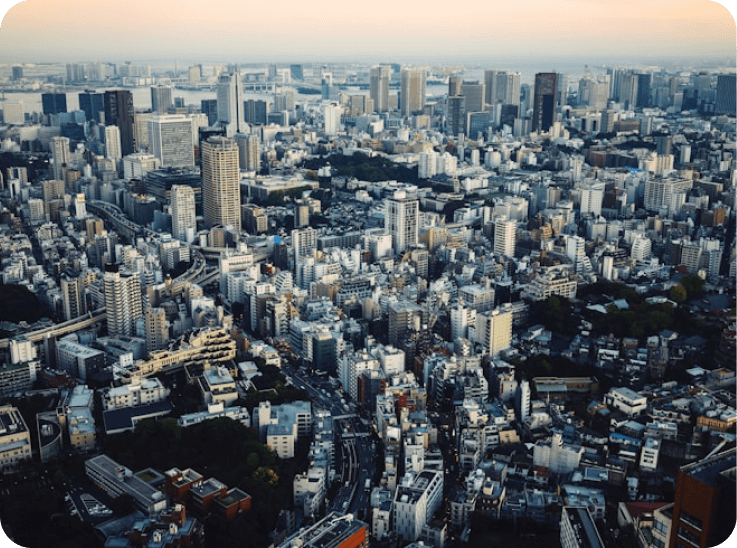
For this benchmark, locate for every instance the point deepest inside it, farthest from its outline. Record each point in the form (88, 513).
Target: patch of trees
(365, 168)
(18, 303)
(223, 449)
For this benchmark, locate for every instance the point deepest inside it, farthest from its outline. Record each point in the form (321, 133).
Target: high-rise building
(229, 103)
(505, 236)
(508, 88)
(183, 216)
(475, 96)
(402, 220)
(249, 151)
(72, 296)
(118, 106)
(643, 90)
(13, 113)
(170, 137)
(726, 95)
(17, 73)
(255, 112)
(53, 103)
(122, 300)
(60, 155)
(221, 194)
(455, 122)
(161, 98)
(494, 330)
(412, 91)
(157, 330)
(704, 505)
(379, 87)
(592, 197)
(113, 143)
(455, 86)
(210, 108)
(546, 90)
(331, 113)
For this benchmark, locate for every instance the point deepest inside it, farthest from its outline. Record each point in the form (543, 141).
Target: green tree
(693, 285)
(678, 293)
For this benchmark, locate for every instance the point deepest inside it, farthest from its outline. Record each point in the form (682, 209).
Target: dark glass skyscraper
(543, 108)
(643, 90)
(726, 94)
(119, 112)
(92, 104)
(54, 103)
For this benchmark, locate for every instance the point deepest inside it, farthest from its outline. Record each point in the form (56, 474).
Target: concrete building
(183, 213)
(402, 220)
(577, 529)
(412, 91)
(170, 138)
(221, 195)
(123, 302)
(416, 499)
(379, 87)
(15, 439)
(138, 392)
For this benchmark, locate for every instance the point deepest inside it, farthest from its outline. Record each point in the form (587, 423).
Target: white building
(649, 455)
(626, 400)
(402, 220)
(183, 213)
(113, 148)
(494, 330)
(15, 438)
(136, 165)
(505, 236)
(556, 457)
(170, 137)
(139, 392)
(331, 113)
(417, 498)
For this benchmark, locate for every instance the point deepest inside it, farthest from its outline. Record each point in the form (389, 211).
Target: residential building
(379, 87)
(416, 499)
(15, 439)
(402, 220)
(183, 213)
(123, 301)
(412, 91)
(138, 392)
(221, 196)
(577, 529)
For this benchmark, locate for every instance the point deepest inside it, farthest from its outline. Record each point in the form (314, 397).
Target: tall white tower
(379, 87)
(230, 103)
(123, 302)
(412, 97)
(113, 149)
(60, 154)
(402, 220)
(221, 193)
(183, 216)
(505, 236)
(170, 136)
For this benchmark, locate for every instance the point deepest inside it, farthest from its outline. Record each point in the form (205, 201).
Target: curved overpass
(61, 329)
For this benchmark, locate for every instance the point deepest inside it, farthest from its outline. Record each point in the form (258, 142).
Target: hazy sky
(378, 30)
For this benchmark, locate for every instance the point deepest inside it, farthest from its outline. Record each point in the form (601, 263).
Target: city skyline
(37, 30)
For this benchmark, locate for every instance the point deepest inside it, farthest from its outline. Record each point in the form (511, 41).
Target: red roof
(636, 509)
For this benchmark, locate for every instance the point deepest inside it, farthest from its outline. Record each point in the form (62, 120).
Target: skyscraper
(546, 90)
(170, 136)
(60, 155)
(221, 194)
(412, 92)
(456, 116)
(183, 215)
(119, 112)
(112, 143)
(505, 236)
(122, 300)
(249, 151)
(157, 331)
(402, 220)
(331, 115)
(54, 103)
(379, 87)
(72, 296)
(726, 94)
(229, 103)
(161, 98)
(92, 104)
(474, 94)
(643, 90)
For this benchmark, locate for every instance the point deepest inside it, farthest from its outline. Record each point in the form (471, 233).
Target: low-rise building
(15, 439)
(139, 392)
(626, 400)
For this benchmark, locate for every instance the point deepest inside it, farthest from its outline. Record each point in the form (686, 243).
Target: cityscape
(369, 299)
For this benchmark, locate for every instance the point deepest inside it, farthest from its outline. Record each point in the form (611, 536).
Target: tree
(678, 293)
(693, 285)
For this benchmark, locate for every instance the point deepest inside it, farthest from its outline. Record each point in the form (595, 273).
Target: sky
(380, 30)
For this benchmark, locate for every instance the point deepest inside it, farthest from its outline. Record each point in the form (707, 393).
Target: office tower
(326, 85)
(92, 104)
(331, 116)
(53, 103)
(477, 123)
(726, 95)
(80, 206)
(301, 215)
(119, 112)
(297, 72)
(379, 87)
(505, 236)
(494, 330)
(704, 505)
(221, 193)
(562, 85)
(628, 90)
(229, 97)
(455, 86)
(508, 88)
(157, 330)
(249, 151)
(412, 92)
(72, 296)
(474, 94)
(255, 112)
(60, 154)
(161, 98)
(17, 73)
(643, 90)
(546, 90)
(304, 243)
(210, 108)
(592, 197)
(183, 215)
(616, 74)
(170, 136)
(455, 122)
(402, 220)
(113, 143)
(490, 78)
(122, 301)
(284, 100)
(13, 113)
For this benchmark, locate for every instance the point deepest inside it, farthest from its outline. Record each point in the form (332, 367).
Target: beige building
(221, 194)
(15, 439)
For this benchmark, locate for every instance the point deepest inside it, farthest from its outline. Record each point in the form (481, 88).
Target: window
(690, 519)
